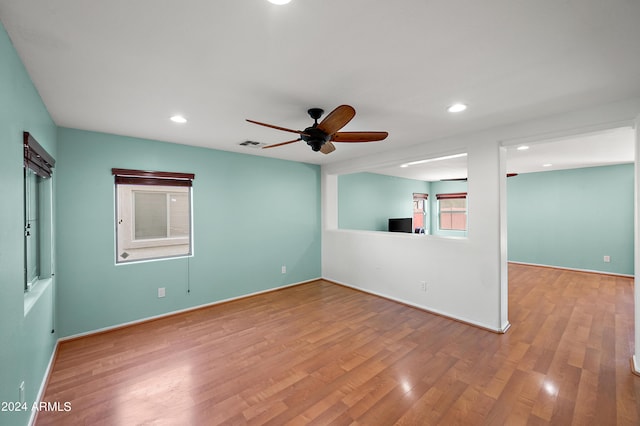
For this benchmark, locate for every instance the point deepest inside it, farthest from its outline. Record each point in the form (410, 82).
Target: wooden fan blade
(327, 148)
(281, 143)
(276, 127)
(337, 119)
(465, 179)
(454, 180)
(359, 136)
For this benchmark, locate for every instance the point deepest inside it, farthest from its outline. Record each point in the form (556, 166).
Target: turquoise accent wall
(26, 341)
(573, 218)
(366, 201)
(251, 215)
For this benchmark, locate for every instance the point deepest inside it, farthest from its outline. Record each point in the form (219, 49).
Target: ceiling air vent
(252, 144)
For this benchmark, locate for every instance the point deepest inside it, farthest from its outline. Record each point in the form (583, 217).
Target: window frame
(126, 212)
(39, 163)
(127, 183)
(32, 228)
(420, 199)
(453, 196)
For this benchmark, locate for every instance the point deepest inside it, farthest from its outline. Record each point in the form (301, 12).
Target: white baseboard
(500, 330)
(43, 384)
(635, 367)
(591, 271)
(192, 308)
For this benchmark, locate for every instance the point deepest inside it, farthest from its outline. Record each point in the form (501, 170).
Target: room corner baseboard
(505, 328)
(635, 367)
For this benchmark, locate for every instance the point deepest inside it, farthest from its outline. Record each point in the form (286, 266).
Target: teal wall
(26, 341)
(251, 216)
(572, 218)
(366, 201)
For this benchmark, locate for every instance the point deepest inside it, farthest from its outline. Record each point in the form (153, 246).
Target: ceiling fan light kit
(320, 136)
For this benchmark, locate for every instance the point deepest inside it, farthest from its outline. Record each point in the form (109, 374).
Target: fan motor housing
(315, 138)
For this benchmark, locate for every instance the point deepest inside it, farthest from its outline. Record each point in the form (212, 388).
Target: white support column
(329, 200)
(504, 268)
(635, 364)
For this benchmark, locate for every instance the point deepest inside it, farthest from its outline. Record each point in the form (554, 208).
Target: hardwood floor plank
(320, 354)
(586, 399)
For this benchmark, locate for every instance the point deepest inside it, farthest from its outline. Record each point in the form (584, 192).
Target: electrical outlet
(284, 269)
(607, 259)
(423, 285)
(161, 292)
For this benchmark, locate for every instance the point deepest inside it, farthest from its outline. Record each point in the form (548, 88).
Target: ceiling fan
(320, 136)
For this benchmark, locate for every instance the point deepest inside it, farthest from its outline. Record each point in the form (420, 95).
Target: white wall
(466, 278)
(636, 221)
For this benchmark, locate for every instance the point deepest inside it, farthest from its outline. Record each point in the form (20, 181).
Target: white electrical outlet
(423, 285)
(607, 259)
(161, 292)
(284, 269)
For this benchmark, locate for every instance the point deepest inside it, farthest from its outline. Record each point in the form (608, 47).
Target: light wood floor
(324, 354)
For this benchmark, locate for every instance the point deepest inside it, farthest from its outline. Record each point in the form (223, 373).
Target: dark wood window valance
(419, 196)
(145, 177)
(451, 196)
(36, 157)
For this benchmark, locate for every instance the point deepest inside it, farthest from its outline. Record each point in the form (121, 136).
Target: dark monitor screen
(401, 225)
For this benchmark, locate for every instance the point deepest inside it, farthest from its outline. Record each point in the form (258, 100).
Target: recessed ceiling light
(178, 119)
(522, 148)
(279, 1)
(547, 165)
(457, 107)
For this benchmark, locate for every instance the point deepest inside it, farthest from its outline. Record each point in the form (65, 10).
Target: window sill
(32, 296)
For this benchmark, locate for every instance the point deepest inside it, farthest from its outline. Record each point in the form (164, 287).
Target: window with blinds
(37, 190)
(153, 215)
(452, 211)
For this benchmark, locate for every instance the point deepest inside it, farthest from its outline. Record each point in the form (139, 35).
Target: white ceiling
(125, 67)
(603, 148)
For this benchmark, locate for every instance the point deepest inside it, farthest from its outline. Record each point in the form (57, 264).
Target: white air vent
(252, 144)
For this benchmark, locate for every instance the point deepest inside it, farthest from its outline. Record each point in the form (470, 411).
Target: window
(153, 215)
(31, 227)
(38, 169)
(420, 213)
(452, 211)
